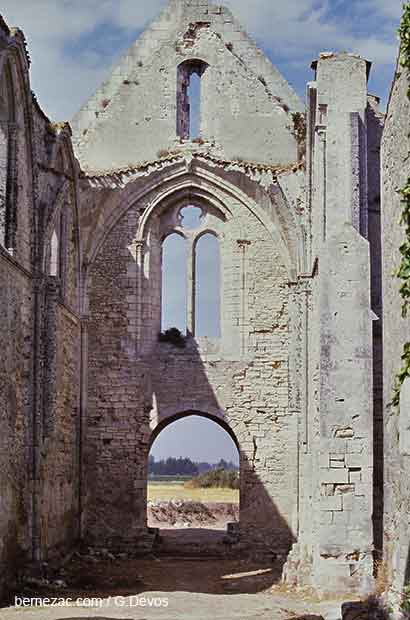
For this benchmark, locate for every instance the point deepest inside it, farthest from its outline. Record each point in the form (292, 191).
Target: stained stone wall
(40, 327)
(59, 466)
(57, 399)
(395, 172)
(116, 430)
(16, 330)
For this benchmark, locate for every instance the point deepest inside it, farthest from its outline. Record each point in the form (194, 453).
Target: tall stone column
(4, 152)
(53, 290)
(342, 555)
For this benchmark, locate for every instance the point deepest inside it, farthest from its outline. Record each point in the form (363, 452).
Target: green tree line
(185, 466)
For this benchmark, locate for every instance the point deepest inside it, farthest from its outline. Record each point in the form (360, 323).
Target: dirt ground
(192, 514)
(194, 573)
(97, 586)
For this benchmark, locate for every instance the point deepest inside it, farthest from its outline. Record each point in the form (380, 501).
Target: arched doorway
(193, 484)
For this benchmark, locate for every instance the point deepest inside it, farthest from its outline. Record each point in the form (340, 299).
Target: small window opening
(189, 99)
(56, 248)
(207, 287)
(55, 255)
(194, 98)
(174, 283)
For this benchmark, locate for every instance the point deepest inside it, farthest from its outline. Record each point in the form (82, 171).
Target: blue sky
(180, 439)
(75, 43)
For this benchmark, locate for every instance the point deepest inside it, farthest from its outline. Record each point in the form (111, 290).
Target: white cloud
(379, 52)
(297, 27)
(62, 81)
(294, 31)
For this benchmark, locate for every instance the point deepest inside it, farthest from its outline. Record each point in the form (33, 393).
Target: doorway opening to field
(194, 483)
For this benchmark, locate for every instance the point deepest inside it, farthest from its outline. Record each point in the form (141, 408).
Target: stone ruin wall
(335, 543)
(15, 372)
(16, 338)
(39, 333)
(134, 385)
(395, 172)
(319, 489)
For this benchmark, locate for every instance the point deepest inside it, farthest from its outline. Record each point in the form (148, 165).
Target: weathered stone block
(334, 476)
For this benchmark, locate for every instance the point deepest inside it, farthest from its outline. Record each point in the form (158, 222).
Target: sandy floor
(170, 589)
(208, 582)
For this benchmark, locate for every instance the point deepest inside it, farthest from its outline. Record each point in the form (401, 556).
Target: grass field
(173, 490)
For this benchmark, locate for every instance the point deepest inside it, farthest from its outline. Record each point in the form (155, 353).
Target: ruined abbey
(301, 198)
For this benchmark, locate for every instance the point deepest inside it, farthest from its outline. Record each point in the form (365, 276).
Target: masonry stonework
(395, 172)
(292, 195)
(40, 360)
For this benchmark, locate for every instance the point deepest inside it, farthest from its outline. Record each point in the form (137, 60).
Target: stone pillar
(83, 420)
(345, 476)
(53, 293)
(4, 151)
(342, 554)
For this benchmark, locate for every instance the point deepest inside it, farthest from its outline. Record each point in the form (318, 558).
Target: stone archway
(168, 419)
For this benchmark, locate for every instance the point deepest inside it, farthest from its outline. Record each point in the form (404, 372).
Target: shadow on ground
(128, 577)
(165, 574)
(195, 542)
(370, 609)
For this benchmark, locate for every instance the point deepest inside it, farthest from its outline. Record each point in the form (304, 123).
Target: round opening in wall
(190, 217)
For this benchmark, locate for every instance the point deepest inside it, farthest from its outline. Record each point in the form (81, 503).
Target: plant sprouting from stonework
(405, 602)
(299, 131)
(262, 80)
(404, 36)
(299, 126)
(173, 336)
(403, 271)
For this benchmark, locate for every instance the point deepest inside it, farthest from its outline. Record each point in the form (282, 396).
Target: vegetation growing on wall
(404, 35)
(404, 270)
(299, 131)
(173, 336)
